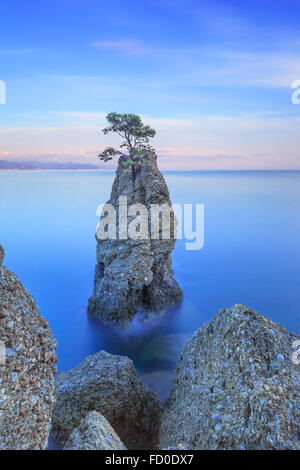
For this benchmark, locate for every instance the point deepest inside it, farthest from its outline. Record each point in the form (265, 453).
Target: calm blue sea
(251, 256)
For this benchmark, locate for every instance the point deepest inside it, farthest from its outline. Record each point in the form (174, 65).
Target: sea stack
(135, 273)
(27, 367)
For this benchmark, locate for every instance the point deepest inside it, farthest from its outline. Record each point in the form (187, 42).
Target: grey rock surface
(235, 387)
(27, 366)
(94, 433)
(109, 385)
(135, 273)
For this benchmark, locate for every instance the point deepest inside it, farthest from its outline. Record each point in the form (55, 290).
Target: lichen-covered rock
(27, 366)
(94, 433)
(235, 387)
(133, 273)
(109, 385)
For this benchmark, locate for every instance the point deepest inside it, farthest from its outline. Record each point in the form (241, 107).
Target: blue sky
(213, 78)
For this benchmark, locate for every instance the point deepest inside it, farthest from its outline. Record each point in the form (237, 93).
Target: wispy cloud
(83, 116)
(215, 66)
(263, 141)
(271, 70)
(128, 46)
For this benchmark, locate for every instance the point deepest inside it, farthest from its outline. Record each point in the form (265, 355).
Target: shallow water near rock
(251, 256)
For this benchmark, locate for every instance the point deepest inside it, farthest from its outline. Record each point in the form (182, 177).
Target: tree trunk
(133, 174)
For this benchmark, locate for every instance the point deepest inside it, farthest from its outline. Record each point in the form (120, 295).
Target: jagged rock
(235, 387)
(107, 384)
(27, 366)
(94, 433)
(135, 273)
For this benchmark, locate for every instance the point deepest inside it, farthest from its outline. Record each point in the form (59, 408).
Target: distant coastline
(48, 166)
(19, 165)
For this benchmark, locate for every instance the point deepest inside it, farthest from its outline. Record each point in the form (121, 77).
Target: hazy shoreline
(185, 170)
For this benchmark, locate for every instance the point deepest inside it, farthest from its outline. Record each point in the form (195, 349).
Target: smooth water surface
(251, 256)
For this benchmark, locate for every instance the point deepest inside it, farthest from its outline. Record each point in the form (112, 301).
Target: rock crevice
(108, 385)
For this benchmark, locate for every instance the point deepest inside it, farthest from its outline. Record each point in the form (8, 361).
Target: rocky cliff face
(108, 385)
(236, 387)
(27, 366)
(94, 433)
(135, 273)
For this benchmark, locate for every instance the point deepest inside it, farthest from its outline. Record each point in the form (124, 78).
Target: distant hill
(19, 165)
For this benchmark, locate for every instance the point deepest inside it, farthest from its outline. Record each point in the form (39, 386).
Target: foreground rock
(109, 385)
(235, 387)
(135, 273)
(94, 433)
(27, 366)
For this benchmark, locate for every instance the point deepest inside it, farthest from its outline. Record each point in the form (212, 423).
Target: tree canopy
(135, 135)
